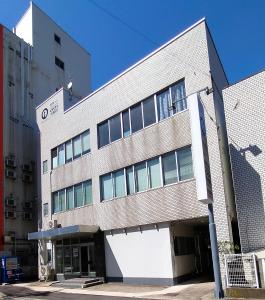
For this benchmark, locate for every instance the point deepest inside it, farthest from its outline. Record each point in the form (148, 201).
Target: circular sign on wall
(44, 113)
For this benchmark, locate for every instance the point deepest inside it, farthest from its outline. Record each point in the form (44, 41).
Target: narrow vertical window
(54, 158)
(78, 195)
(178, 95)
(106, 187)
(61, 155)
(136, 118)
(170, 174)
(69, 198)
(154, 173)
(163, 103)
(103, 134)
(77, 146)
(130, 180)
(57, 39)
(61, 200)
(55, 206)
(45, 166)
(140, 177)
(119, 183)
(68, 151)
(185, 164)
(126, 123)
(115, 128)
(45, 209)
(149, 111)
(87, 188)
(85, 142)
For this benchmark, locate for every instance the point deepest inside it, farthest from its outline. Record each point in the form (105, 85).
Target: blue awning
(62, 232)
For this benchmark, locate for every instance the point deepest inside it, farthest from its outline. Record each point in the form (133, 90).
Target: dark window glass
(59, 63)
(57, 39)
(184, 245)
(126, 123)
(169, 168)
(103, 134)
(178, 97)
(149, 111)
(136, 118)
(54, 158)
(115, 128)
(130, 180)
(185, 164)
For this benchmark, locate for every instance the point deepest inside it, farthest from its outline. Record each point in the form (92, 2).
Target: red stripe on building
(1, 138)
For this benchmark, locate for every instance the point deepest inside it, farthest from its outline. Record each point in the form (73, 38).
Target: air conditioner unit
(10, 201)
(27, 178)
(27, 168)
(10, 162)
(53, 224)
(10, 214)
(11, 174)
(27, 216)
(27, 204)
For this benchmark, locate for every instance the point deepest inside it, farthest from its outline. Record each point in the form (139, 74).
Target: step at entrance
(79, 282)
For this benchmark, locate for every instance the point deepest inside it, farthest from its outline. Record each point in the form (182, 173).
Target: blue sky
(237, 27)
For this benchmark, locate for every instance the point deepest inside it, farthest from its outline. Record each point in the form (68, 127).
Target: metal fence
(241, 270)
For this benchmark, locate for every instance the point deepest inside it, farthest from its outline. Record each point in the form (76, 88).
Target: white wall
(23, 28)
(145, 254)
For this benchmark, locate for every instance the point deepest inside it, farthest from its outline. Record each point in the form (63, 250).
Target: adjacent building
(245, 109)
(128, 171)
(36, 59)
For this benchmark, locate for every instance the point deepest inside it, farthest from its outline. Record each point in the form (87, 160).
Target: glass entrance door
(84, 260)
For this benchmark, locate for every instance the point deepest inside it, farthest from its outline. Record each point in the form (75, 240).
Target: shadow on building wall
(249, 198)
(113, 272)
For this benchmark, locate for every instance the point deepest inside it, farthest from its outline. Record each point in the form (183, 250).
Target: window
(45, 209)
(61, 155)
(77, 147)
(169, 168)
(85, 142)
(61, 200)
(163, 103)
(59, 63)
(106, 187)
(178, 95)
(69, 198)
(140, 177)
(136, 118)
(103, 134)
(149, 111)
(87, 189)
(185, 164)
(68, 151)
(130, 181)
(126, 123)
(154, 175)
(57, 39)
(45, 166)
(115, 128)
(78, 194)
(119, 183)
(54, 158)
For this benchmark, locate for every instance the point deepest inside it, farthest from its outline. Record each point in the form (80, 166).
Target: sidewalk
(189, 290)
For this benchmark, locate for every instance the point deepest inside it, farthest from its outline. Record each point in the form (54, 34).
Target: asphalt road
(21, 293)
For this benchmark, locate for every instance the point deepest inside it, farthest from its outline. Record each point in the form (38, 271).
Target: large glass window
(136, 118)
(62, 200)
(54, 158)
(61, 155)
(149, 111)
(68, 151)
(106, 187)
(154, 173)
(78, 194)
(185, 164)
(87, 189)
(178, 96)
(163, 103)
(85, 142)
(119, 183)
(130, 180)
(126, 123)
(115, 128)
(140, 177)
(77, 146)
(169, 168)
(69, 198)
(103, 134)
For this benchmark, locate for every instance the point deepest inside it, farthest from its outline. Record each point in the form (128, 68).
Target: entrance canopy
(62, 232)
